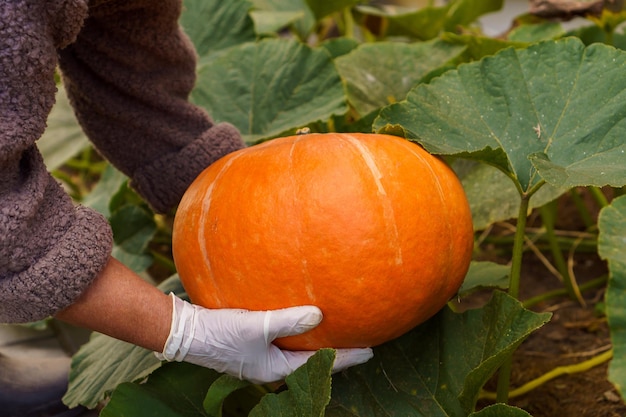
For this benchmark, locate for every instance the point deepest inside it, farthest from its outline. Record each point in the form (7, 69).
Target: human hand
(239, 342)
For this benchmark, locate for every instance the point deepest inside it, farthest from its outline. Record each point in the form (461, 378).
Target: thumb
(346, 358)
(291, 321)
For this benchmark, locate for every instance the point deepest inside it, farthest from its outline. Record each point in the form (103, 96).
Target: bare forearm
(122, 305)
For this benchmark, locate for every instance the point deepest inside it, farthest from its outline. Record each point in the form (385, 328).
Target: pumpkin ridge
(297, 243)
(207, 199)
(388, 211)
(442, 198)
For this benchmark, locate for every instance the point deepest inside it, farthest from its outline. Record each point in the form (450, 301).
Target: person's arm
(50, 250)
(129, 75)
(122, 305)
(234, 341)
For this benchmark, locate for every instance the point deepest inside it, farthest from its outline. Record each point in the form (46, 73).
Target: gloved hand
(239, 342)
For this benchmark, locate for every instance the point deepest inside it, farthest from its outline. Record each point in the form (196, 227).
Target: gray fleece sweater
(128, 70)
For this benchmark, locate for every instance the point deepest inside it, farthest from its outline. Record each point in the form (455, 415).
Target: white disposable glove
(239, 342)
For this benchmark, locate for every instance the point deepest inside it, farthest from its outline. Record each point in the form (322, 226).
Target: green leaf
(301, 26)
(219, 390)
(103, 363)
(478, 47)
(595, 34)
(322, 8)
(536, 32)
(308, 390)
(174, 390)
(552, 112)
(109, 185)
(214, 25)
(270, 87)
(500, 410)
(337, 47)
(269, 22)
(438, 368)
(381, 73)
(124, 196)
(173, 284)
(63, 137)
(492, 195)
(428, 22)
(612, 247)
(423, 24)
(133, 225)
(464, 12)
(609, 20)
(485, 275)
(133, 229)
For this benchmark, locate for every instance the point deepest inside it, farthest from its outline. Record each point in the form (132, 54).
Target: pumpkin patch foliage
(523, 119)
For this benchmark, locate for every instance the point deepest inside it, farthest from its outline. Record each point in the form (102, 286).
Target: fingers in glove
(290, 321)
(346, 358)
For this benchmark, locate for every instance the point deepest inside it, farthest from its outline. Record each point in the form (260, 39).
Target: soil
(574, 334)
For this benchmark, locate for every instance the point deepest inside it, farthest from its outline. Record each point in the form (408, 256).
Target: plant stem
(587, 245)
(548, 213)
(554, 373)
(599, 196)
(348, 22)
(594, 283)
(504, 374)
(518, 247)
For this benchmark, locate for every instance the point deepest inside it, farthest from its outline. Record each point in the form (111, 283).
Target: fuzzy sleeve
(50, 250)
(128, 76)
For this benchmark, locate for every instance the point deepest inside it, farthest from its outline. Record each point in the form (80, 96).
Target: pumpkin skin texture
(371, 228)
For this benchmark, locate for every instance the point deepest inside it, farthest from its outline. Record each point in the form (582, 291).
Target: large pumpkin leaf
(337, 47)
(612, 247)
(322, 8)
(423, 24)
(478, 47)
(110, 183)
(304, 22)
(500, 410)
(308, 393)
(596, 34)
(223, 386)
(381, 73)
(491, 194)
(174, 390)
(103, 363)
(133, 225)
(185, 390)
(535, 32)
(438, 368)
(270, 87)
(555, 112)
(213, 25)
(485, 274)
(271, 22)
(133, 229)
(428, 22)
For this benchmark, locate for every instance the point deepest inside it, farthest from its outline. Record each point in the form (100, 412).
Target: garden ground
(574, 334)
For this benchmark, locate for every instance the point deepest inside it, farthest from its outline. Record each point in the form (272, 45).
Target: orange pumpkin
(371, 228)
